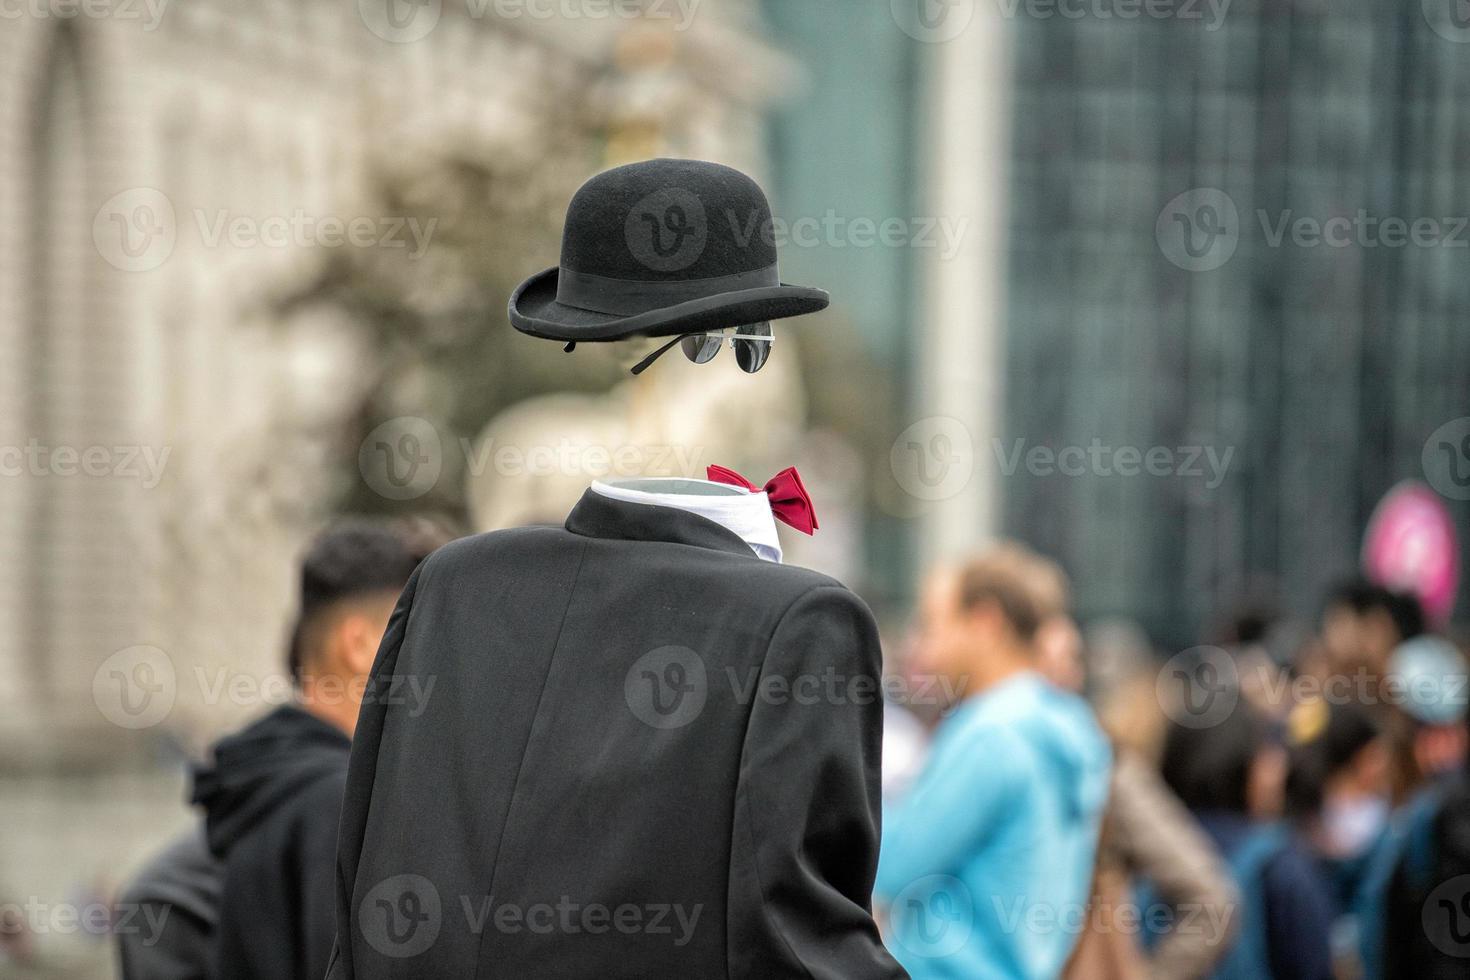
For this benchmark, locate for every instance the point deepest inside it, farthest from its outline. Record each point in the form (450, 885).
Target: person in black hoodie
(274, 792)
(168, 912)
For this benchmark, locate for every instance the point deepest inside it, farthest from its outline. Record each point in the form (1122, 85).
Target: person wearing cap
(1413, 908)
(1426, 692)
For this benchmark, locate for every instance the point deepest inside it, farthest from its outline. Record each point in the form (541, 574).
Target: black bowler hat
(661, 248)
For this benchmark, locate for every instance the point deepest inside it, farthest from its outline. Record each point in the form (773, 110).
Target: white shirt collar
(747, 514)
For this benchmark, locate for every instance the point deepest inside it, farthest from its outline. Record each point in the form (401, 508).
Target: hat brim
(535, 311)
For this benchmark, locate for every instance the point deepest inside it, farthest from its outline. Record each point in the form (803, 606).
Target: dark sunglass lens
(700, 347)
(752, 355)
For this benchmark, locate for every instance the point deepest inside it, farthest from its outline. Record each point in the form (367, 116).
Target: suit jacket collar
(599, 516)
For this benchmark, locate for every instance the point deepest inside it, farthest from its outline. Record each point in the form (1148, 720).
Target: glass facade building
(1328, 146)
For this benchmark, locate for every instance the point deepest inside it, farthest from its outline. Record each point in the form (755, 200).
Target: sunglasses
(751, 343)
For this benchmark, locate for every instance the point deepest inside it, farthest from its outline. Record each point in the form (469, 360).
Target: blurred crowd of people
(1259, 808)
(1055, 805)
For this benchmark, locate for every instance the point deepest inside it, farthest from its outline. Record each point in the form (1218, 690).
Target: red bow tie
(789, 500)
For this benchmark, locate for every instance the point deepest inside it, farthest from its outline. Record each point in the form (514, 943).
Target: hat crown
(668, 220)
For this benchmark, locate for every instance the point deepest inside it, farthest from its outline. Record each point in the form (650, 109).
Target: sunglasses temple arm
(644, 364)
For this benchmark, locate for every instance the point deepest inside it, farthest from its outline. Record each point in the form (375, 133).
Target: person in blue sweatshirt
(987, 862)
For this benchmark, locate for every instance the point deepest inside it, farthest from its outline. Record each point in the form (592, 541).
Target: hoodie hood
(258, 768)
(1059, 729)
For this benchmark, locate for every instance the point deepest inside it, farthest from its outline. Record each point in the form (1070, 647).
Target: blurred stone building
(168, 435)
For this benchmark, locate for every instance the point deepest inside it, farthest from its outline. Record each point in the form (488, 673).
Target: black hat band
(628, 297)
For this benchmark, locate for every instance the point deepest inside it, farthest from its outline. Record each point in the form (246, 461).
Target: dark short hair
(1002, 576)
(354, 558)
(1208, 768)
(1363, 596)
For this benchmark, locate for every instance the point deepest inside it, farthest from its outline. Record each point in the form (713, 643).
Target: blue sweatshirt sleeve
(963, 790)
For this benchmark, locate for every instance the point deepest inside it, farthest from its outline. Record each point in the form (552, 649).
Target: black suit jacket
(645, 753)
